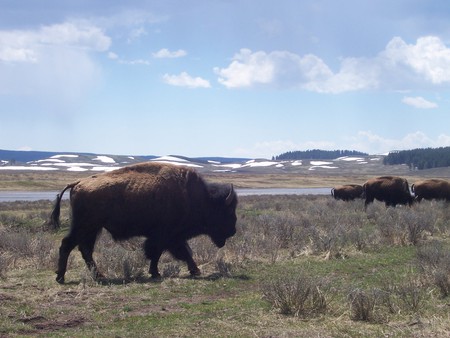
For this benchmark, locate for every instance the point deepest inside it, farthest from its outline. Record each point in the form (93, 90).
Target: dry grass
(298, 266)
(56, 180)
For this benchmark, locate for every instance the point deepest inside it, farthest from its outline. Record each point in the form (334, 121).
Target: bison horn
(230, 196)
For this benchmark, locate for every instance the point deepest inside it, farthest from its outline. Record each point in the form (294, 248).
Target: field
(304, 266)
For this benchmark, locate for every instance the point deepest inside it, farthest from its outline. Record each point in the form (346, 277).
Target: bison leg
(153, 253)
(367, 202)
(87, 248)
(183, 251)
(67, 245)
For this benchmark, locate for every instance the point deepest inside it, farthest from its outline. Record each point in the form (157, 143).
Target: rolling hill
(85, 162)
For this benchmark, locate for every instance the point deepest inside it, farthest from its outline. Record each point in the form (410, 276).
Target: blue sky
(231, 78)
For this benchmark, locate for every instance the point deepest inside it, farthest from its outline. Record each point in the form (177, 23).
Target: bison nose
(220, 242)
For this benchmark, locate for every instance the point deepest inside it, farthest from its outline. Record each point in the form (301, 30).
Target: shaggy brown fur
(431, 189)
(167, 204)
(389, 189)
(347, 192)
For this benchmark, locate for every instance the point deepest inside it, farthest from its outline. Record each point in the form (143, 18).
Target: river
(11, 196)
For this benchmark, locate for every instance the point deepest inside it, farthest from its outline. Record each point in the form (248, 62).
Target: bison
(166, 204)
(347, 192)
(391, 190)
(431, 189)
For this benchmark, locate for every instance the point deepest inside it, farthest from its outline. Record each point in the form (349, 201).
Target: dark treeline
(420, 158)
(317, 154)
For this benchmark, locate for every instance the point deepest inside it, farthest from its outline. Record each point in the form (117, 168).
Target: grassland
(299, 266)
(303, 266)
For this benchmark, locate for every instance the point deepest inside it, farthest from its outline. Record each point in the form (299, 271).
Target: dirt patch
(4, 297)
(43, 325)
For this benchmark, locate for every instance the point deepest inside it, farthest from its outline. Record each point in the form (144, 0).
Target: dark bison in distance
(347, 192)
(391, 190)
(166, 204)
(431, 189)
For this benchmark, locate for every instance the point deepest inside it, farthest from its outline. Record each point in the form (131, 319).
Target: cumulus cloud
(165, 53)
(372, 143)
(427, 62)
(185, 80)
(51, 60)
(30, 45)
(419, 102)
(277, 68)
(429, 57)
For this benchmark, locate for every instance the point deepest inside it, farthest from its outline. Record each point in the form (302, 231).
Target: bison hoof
(99, 275)
(156, 275)
(195, 272)
(60, 279)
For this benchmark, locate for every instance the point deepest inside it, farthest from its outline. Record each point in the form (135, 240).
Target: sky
(248, 78)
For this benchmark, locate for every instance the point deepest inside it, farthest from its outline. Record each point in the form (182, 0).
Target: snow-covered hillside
(102, 163)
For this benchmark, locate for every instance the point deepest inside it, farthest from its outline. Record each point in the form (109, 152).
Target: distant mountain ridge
(11, 160)
(75, 161)
(25, 156)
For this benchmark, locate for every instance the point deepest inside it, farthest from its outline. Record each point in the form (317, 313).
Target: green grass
(33, 304)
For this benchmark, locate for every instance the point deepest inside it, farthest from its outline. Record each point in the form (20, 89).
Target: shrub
(296, 294)
(433, 259)
(4, 263)
(204, 251)
(412, 294)
(362, 304)
(224, 268)
(170, 270)
(120, 260)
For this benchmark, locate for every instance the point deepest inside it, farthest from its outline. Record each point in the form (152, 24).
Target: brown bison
(431, 189)
(166, 204)
(391, 190)
(347, 192)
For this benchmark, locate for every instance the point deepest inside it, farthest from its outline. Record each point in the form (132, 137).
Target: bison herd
(393, 190)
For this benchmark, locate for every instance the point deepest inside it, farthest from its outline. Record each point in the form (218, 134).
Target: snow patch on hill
(99, 163)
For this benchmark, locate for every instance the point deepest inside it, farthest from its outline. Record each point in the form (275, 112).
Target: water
(284, 191)
(11, 196)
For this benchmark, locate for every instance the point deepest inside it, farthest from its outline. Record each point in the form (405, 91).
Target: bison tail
(54, 216)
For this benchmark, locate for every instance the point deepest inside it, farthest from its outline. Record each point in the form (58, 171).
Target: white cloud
(113, 56)
(165, 53)
(419, 102)
(285, 69)
(79, 34)
(426, 62)
(51, 60)
(429, 57)
(17, 54)
(279, 68)
(136, 34)
(131, 18)
(135, 62)
(372, 143)
(31, 45)
(185, 80)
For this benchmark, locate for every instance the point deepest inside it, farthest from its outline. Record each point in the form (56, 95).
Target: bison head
(221, 219)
